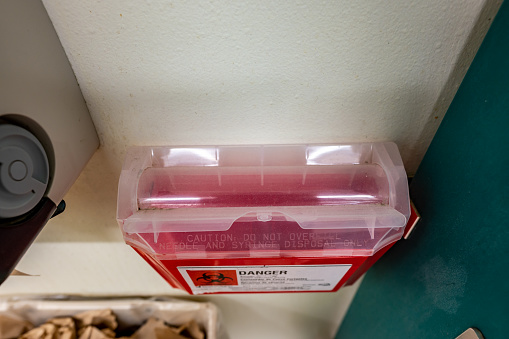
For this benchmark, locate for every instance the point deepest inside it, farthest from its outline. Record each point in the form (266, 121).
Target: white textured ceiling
(261, 72)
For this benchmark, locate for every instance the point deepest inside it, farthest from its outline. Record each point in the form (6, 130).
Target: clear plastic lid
(263, 200)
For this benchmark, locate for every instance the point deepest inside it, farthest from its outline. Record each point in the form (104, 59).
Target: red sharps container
(272, 218)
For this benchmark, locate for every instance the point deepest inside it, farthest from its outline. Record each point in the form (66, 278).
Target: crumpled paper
(45, 331)
(193, 329)
(91, 332)
(66, 327)
(156, 329)
(100, 319)
(12, 327)
(97, 324)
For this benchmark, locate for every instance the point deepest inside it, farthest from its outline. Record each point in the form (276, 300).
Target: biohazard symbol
(213, 278)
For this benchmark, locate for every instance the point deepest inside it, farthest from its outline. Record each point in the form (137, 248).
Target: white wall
(224, 72)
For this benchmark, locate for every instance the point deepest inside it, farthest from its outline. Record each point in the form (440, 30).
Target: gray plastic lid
(24, 171)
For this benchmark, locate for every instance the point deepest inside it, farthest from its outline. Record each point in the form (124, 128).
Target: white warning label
(210, 279)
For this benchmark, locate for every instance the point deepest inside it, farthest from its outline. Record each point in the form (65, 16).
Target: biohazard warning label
(213, 277)
(263, 278)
